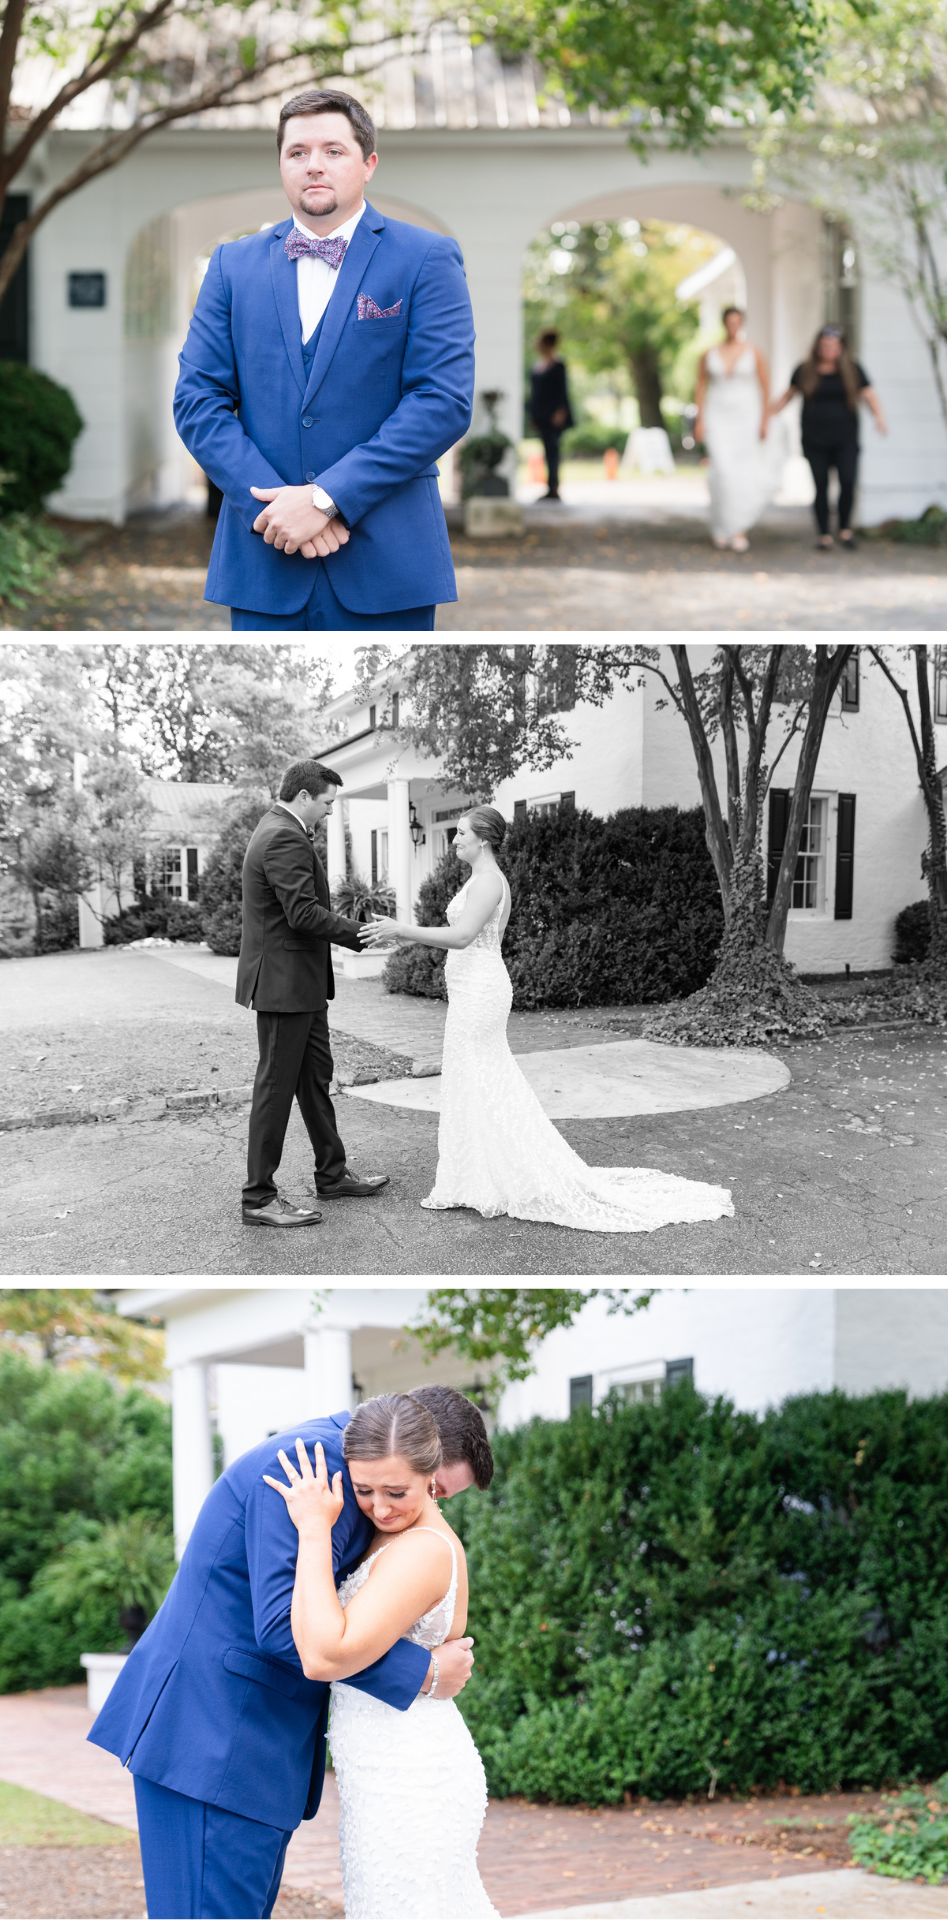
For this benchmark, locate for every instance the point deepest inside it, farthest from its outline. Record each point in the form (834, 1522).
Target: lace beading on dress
(498, 1153)
(412, 1791)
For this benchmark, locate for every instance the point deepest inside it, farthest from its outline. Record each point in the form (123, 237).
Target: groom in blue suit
(212, 1712)
(329, 364)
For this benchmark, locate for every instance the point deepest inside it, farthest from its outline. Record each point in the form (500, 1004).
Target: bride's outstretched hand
(379, 931)
(313, 1505)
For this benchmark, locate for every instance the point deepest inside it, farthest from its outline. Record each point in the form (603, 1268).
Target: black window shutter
(520, 809)
(192, 890)
(568, 800)
(845, 849)
(580, 1391)
(776, 835)
(374, 855)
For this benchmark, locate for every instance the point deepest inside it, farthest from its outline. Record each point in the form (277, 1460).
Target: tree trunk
(827, 673)
(648, 386)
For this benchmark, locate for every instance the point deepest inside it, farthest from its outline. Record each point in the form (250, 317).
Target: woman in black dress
(832, 385)
(549, 406)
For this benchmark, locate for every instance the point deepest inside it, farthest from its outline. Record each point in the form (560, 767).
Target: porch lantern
(415, 827)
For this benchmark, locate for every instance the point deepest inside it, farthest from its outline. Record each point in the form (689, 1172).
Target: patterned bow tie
(305, 246)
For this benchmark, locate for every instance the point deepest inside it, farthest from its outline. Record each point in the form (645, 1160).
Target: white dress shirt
(315, 279)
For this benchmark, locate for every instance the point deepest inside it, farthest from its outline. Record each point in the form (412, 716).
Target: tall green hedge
(604, 912)
(75, 1453)
(666, 1597)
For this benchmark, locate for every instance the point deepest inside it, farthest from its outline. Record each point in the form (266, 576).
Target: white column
(328, 1365)
(399, 848)
(336, 844)
(192, 1457)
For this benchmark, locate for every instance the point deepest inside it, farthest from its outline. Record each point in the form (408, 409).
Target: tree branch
(719, 845)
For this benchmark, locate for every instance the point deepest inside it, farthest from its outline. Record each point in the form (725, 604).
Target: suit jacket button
(307, 422)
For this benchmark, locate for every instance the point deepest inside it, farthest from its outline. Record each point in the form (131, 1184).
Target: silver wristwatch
(322, 501)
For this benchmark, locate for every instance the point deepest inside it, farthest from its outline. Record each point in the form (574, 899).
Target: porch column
(192, 1461)
(328, 1365)
(399, 847)
(336, 844)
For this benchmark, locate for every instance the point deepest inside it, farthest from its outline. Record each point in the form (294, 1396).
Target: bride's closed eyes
(391, 1493)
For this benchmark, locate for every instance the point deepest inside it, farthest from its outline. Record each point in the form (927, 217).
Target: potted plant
(359, 899)
(128, 1563)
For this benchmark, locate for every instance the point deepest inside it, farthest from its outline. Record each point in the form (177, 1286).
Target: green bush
(29, 557)
(927, 531)
(909, 1841)
(155, 916)
(220, 881)
(589, 441)
(39, 422)
(604, 912)
(359, 898)
(76, 1456)
(58, 927)
(913, 933)
(674, 1595)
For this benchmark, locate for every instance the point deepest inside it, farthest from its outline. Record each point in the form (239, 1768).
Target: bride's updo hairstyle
(488, 824)
(393, 1423)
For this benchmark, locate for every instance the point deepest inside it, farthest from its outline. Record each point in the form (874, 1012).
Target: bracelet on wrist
(434, 1681)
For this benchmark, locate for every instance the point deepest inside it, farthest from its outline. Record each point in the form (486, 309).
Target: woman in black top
(549, 407)
(832, 384)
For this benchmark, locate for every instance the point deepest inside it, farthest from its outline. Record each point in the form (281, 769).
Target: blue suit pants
(201, 1862)
(324, 613)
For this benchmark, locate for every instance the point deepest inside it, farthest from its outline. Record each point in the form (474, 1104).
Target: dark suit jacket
(549, 393)
(213, 1701)
(285, 965)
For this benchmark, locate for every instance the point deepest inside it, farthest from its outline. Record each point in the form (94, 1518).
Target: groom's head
(466, 1458)
(326, 144)
(310, 790)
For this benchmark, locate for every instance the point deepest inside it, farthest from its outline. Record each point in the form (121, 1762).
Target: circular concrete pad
(620, 1078)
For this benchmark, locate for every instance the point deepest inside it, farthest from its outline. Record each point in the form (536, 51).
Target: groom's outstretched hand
(455, 1665)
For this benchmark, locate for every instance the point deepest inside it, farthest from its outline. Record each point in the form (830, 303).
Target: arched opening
(635, 282)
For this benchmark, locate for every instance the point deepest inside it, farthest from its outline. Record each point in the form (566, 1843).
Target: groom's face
(323, 169)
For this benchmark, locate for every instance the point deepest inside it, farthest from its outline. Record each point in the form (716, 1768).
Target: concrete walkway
(618, 1078)
(848, 1894)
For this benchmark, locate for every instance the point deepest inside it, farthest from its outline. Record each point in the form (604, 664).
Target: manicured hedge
(604, 912)
(39, 422)
(74, 1453)
(665, 1596)
(913, 933)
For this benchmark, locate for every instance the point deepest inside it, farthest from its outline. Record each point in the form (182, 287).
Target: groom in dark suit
(285, 973)
(329, 364)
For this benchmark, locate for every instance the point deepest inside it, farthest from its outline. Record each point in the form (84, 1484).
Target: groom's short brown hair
(308, 775)
(461, 1429)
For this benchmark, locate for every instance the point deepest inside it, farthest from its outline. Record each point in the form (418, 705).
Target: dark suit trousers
(295, 1059)
(201, 1862)
(551, 447)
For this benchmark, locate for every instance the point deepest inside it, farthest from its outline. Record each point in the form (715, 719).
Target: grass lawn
(30, 1820)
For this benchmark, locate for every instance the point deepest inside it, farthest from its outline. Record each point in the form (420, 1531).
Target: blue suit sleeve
(271, 1544)
(206, 396)
(437, 391)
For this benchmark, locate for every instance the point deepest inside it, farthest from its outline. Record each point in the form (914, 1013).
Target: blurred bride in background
(733, 397)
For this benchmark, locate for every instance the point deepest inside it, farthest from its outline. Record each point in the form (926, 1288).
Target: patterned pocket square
(369, 311)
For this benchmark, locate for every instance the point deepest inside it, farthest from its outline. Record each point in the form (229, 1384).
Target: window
(636, 1393)
(940, 701)
(809, 881)
(849, 685)
(167, 873)
(580, 1391)
(555, 682)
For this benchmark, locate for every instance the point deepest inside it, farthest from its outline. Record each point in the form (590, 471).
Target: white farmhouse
(865, 837)
(250, 1361)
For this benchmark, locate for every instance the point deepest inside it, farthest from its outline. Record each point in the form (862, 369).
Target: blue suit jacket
(387, 394)
(213, 1701)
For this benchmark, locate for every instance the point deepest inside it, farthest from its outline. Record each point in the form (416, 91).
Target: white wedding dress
(745, 470)
(497, 1151)
(412, 1792)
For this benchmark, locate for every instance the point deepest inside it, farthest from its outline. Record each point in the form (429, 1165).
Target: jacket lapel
(358, 254)
(283, 280)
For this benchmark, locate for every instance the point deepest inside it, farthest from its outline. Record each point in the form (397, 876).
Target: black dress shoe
(279, 1213)
(350, 1187)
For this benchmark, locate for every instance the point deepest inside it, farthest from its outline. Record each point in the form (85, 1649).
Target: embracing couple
(498, 1153)
(320, 1572)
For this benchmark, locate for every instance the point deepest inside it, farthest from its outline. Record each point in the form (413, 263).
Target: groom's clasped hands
(293, 524)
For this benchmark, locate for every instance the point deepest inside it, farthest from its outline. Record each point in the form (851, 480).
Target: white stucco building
(630, 753)
(466, 149)
(251, 1361)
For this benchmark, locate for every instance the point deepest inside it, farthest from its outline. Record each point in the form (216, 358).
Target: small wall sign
(86, 289)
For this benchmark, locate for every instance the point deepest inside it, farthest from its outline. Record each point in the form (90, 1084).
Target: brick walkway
(533, 1859)
(413, 1026)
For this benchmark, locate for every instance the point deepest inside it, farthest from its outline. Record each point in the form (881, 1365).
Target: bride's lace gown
(498, 1152)
(745, 470)
(412, 1792)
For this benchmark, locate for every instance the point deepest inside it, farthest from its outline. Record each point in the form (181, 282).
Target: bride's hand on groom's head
(313, 1505)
